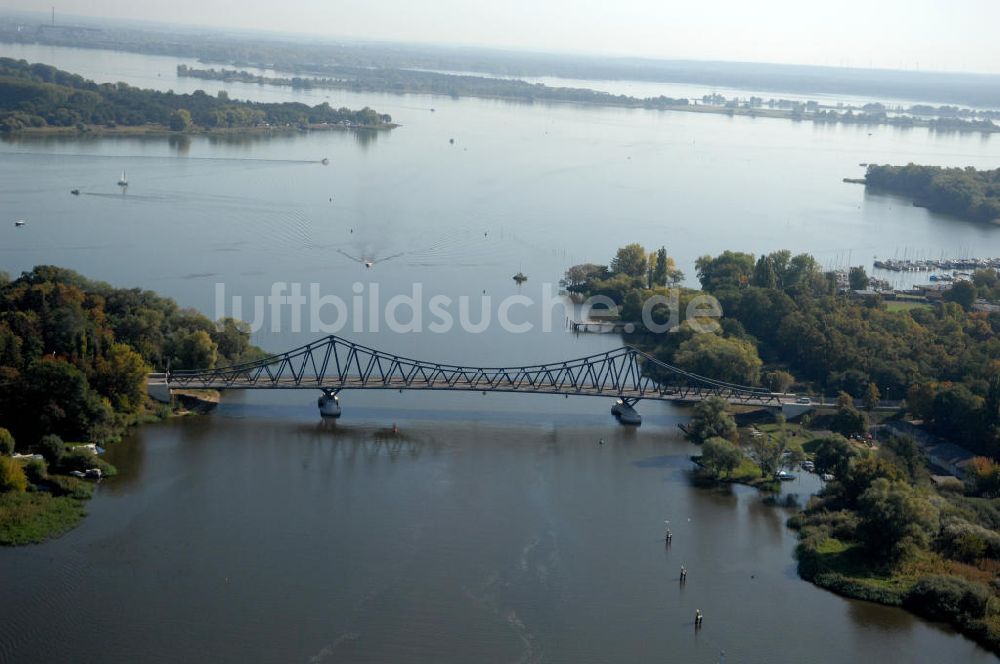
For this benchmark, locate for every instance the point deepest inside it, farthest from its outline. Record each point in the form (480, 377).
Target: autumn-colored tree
(984, 475)
(12, 477)
(872, 396)
(6, 442)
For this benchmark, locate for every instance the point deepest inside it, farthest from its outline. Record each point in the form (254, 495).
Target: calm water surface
(496, 528)
(260, 534)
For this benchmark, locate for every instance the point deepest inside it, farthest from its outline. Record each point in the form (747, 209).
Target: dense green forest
(785, 323)
(74, 353)
(37, 96)
(945, 361)
(964, 192)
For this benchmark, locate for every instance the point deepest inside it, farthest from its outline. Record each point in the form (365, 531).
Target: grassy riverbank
(39, 514)
(54, 504)
(929, 584)
(747, 472)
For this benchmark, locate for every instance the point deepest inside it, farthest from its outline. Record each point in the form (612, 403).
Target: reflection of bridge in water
(352, 443)
(333, 364)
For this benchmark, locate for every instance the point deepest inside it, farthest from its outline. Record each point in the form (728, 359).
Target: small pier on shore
(600, 326)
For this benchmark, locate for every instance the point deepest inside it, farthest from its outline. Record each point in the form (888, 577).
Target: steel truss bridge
(333, 364)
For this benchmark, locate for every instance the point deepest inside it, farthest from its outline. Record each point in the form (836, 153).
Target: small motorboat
(785, 476)
(520, 277)
(75, 192)
(19, 223)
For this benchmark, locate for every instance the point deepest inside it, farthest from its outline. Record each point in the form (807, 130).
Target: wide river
(491, 527)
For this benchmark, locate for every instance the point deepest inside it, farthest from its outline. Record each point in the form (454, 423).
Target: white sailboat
(123, 182)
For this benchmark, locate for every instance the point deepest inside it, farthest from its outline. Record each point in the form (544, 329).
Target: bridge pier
(624, 411)
(158, 387)
(329, 404)
(790, 410)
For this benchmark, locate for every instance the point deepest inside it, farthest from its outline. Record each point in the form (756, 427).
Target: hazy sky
(959, 35)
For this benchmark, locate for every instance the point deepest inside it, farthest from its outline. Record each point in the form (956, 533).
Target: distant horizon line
(277, 35)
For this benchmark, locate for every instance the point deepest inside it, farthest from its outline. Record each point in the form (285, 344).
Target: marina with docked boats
(929, 265)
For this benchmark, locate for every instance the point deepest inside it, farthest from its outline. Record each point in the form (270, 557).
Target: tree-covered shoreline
(74, 359)
(40, 98)
(401, 81)
(880, 529)
(963, 192)
(787, 324)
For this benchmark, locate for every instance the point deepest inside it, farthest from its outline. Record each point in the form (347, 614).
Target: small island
(40, 99)
(74, 360)
(966, 193)
(410, 81)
